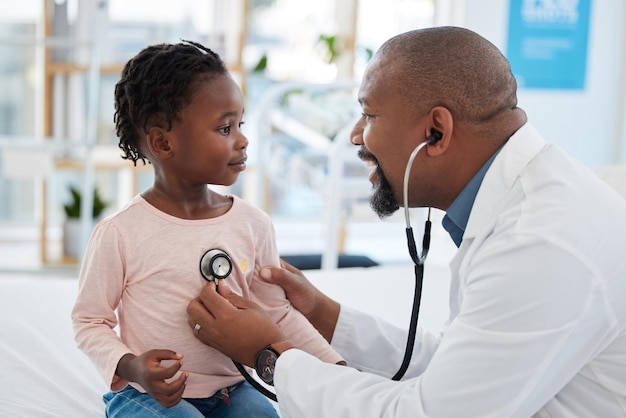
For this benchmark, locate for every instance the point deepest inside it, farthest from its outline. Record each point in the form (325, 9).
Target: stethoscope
(216, 265)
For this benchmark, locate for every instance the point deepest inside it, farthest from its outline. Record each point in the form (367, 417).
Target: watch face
(264, 365)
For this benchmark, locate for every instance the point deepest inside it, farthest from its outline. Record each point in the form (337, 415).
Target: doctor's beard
(382, 200)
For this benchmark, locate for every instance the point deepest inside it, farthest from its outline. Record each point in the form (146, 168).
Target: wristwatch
(265, 361)
(264, 364)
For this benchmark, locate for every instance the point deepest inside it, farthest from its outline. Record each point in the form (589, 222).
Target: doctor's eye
(366, 116)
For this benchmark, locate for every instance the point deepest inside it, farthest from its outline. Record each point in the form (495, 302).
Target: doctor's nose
(356, 136)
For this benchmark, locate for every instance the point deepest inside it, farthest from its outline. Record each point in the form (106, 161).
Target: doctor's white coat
(537, 311)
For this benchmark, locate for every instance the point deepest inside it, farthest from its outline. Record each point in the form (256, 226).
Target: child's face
(209, 147)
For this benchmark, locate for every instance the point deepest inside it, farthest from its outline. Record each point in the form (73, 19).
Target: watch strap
(280, 347)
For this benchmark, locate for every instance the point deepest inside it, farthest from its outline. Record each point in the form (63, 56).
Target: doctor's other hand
(235, 326)
(319, 309)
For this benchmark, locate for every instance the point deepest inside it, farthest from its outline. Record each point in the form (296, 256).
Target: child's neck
(202, 204)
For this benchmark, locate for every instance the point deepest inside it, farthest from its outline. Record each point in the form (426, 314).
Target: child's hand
(157, 379)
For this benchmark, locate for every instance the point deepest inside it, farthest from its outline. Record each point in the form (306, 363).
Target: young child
(177, 107)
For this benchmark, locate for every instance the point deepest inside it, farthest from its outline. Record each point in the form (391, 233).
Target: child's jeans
(245, 401)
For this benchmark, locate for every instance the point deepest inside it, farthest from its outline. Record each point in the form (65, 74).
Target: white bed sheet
(45, 375)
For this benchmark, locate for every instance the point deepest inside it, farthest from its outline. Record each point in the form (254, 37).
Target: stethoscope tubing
(418, 260)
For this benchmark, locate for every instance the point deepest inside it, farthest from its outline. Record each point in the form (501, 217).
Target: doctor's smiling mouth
(382, 200)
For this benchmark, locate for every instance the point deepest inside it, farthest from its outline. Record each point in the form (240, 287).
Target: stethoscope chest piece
(215, 264)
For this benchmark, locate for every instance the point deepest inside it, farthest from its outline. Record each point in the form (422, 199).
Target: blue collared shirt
(455, 220)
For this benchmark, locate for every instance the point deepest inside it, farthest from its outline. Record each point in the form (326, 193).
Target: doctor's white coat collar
(515, 155)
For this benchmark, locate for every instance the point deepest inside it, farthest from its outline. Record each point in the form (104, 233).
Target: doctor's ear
(439, 130)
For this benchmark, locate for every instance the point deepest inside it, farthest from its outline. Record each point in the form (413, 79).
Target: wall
(588, 123)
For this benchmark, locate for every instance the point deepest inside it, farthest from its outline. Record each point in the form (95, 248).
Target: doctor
(538, 297)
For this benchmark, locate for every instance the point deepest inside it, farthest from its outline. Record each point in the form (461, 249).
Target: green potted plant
(72, 224)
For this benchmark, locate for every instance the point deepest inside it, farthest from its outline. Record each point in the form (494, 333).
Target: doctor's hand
(319, 309)
(235, 326)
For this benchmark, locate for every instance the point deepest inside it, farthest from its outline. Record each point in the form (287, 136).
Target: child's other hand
(155, 371)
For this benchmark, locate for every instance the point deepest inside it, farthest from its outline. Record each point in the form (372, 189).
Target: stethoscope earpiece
(215, 264)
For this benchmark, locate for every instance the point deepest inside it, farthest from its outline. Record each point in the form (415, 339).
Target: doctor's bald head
(451, 67)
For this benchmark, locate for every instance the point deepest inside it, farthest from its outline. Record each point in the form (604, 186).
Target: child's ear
(158, 143)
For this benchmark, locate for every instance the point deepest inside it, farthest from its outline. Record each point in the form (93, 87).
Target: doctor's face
(384, 134)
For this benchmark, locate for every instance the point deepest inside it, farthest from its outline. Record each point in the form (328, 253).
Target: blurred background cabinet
(68, 55)
(62, 58)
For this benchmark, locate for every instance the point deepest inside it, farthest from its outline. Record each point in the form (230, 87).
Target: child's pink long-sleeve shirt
(141, 269)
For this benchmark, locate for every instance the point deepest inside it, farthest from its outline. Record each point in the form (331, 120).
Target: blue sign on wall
(547, 44)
